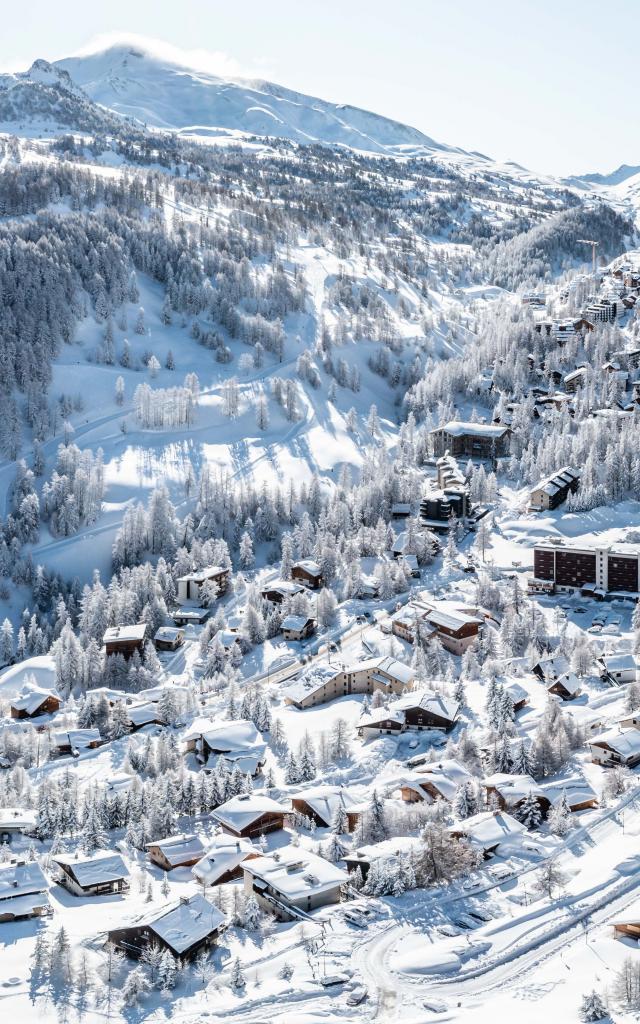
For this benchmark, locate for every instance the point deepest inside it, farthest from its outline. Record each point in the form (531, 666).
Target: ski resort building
(16, 821)
(323, 682)
(293, 880)
(554, 490)
(74, 741)
(168, 638)
(101, 874)
(597, 571)
(474, 440)
(618, 669)
(184, 927)
(193, 586)
(438, 781)
(281, 590)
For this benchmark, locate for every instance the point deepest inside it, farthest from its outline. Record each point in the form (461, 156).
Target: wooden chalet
(308, 573)
(185, 928)
(125, 640)
(101, 874)
(250, 815)
(34, 702)
(175, 851)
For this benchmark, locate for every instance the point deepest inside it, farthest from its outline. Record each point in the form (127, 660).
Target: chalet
(297, 627)
(435, 781)
(322, 803)
(510, 791)
(250, 815)
(384, 721)
(101, 874)
(575, 790)
(184, 927)
(281, 590)
(293, 881)
(308, 573)
(15, 821)
(141, 715)
(223, 860)
(488, 830)
(401, 510)
(456, 629)
(74, 741)
(393, 851)
(427, 710)
(554, 490)
(576, 379)
(175, 851)
(23, 891)
(518, 694)
(34, 701)
(168, 638)
(229, 638)
(190, 616)
(324, 682)
(566, 686)
(625, 925)
(549, 669)
(618, 668)
(203, 583)
(236, 740)
(616, 748)
(125, 640)
(475, 440)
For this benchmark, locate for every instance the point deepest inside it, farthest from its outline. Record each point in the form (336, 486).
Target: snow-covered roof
(224, 854)
(458, 428)
(308, 565)
(516, 692)
(178, 849)
(21, 879)
(190, 612)
(569, 681)
(489, 828)
(619, 663)
(127, 634)
(296, 873)
(309, 682)
(168, 634)
(445, 775)
(143, 714)
(286, 588)
(513, 788)
(556, 666)
(227, 736)
(325, 800)
(23, 906)
(202, 575)
(625, 742)
(32, 698)
(100, 868)
(451, 618)
(384, 666)
(386, 848)
(248, 763)
(576, 789)
(186, 923)
(241, 811)
(433, 703)
(76, 738)
(383, 714)
(17, 818)
(296, 623)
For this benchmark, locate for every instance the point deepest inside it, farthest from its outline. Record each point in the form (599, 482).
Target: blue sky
(548, 84)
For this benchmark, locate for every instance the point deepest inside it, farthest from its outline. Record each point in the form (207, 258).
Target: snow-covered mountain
(45, 95)
(135, 82)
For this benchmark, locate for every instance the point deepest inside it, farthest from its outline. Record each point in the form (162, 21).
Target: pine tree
(593, 1008)
(237, 977)
(529, 812)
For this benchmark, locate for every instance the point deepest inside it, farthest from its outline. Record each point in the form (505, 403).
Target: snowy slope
(134, 82)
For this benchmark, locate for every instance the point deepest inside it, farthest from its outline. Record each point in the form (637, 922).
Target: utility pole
(594, 245)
